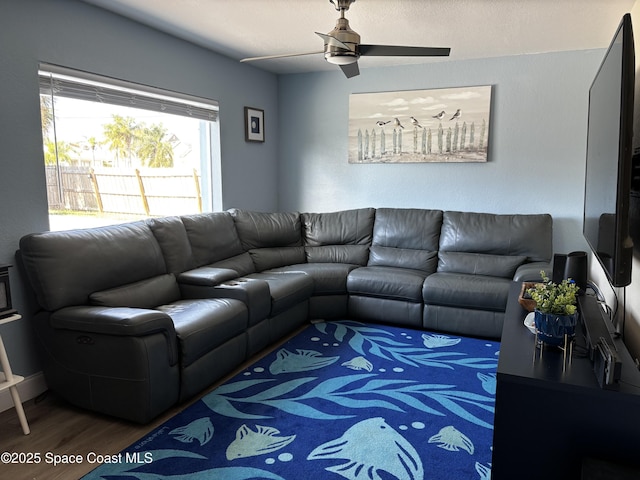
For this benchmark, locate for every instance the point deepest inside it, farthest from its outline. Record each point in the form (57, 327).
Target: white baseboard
(29, 388)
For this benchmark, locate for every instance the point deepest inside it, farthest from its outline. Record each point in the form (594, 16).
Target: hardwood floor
(59, 429)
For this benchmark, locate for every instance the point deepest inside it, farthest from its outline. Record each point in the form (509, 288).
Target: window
(116, 152)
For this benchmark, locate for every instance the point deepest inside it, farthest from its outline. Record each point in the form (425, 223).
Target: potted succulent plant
(556, 310)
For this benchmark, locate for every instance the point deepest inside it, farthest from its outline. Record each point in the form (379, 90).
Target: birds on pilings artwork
(420, 126)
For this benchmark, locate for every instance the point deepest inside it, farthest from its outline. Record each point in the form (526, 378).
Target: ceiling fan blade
(401, 51)
(350, 70)
(284, 55)
(334, 42)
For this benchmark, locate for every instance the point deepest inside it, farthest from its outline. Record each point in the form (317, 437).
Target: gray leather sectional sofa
(137, 317)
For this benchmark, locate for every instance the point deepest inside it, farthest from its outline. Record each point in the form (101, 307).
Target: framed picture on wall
(253, 124)
(420, 126)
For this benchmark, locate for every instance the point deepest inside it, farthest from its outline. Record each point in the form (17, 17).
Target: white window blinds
(69, 83)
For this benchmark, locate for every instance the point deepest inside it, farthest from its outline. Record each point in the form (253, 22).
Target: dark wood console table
(548, 421)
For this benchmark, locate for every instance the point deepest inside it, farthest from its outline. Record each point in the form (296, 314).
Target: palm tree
(154, 147)
(93, 143)
(59, 152)
(46, 114)
(120, 136)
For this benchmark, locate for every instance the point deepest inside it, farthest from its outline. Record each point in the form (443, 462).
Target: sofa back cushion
(406, 238)
(338, 237)
(242, 264)
(267, 258)
(350, 254)
(149, 293)
(174, 243)
(403, 258)
(212, 236)
(513, 235)
(272, 239)
(267, 230)
(65, 267)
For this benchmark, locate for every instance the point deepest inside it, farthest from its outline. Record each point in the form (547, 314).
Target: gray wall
(80, 36)
(536, 151)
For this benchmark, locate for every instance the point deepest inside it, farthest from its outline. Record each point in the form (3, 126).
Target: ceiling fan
(342, 46)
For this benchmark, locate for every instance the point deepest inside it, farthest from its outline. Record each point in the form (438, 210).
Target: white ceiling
(472, 28)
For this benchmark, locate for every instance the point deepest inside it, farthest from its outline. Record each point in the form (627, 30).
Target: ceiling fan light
(341, 59)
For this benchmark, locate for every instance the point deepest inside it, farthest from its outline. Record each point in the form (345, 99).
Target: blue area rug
(340, 400)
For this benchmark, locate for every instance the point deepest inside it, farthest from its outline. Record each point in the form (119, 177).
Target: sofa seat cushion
(387, 282)
(461, 290)
(504, 266)
(328, 278)
(286, 289)
(202, 325)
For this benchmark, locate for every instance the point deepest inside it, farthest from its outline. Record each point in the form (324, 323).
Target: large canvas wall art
(438, 125)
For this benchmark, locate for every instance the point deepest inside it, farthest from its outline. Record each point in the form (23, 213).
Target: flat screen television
(609, 158)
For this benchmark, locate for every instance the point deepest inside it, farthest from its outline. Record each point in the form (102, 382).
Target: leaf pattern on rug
(366, 339)
(398, 395)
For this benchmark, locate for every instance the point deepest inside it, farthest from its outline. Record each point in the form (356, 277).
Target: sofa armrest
(206, 276)
(112, 320)
(254, 293)
(530, 272)
(118, 321)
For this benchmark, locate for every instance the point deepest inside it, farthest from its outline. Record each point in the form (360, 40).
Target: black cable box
(606, 366)
(601, 347)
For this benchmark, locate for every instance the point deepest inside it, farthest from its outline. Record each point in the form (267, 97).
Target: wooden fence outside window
(149, 192)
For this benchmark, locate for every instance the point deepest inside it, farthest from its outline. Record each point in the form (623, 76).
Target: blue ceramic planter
(552, 327)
